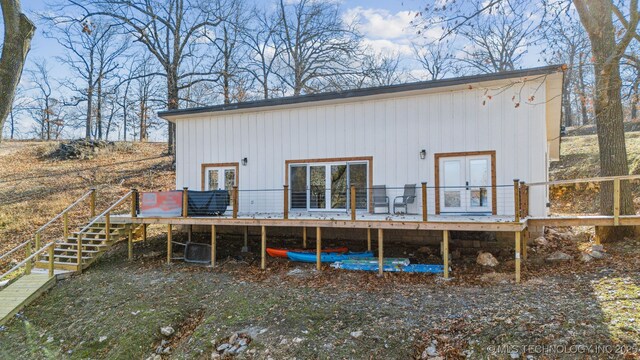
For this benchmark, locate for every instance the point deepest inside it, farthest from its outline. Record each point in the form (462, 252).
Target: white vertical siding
(391, 130)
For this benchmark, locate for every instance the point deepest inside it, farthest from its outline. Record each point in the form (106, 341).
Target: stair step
(72, 250)
(56, 256)
(84, 244)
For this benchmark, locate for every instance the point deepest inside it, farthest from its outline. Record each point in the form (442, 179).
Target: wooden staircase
(94, 243)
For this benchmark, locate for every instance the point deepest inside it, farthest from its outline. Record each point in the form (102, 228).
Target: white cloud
(380, 23)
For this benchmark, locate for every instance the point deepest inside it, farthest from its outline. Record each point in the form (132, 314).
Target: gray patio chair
(380, 198)
(408, 197)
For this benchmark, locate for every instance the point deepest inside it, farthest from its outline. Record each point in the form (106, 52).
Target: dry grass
(34, 188)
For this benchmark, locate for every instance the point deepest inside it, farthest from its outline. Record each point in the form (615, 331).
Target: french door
(221, 178)
(326, 186)
(465, 184)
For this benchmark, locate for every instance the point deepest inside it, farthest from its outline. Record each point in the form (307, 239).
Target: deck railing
(418, 202)
(33, 248)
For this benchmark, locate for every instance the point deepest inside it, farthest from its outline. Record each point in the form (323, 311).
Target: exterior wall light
(423, 154)
(244, 161)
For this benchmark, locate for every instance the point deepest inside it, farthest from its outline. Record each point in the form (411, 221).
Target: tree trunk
(172, 104)
(566, 96)
(634, 98)
(608, 111)
(99, 108)
(12, 129)
(88, 121)
(583, 93)
(143, 118)
(47, 119)
(18, 31)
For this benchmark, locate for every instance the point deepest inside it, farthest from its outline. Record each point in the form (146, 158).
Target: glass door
(465, 184)
(318, 187)
(221, 178)
(479, 191)
(452, 191)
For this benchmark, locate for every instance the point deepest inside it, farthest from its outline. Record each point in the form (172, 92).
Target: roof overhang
(553, 112)
(409, 89)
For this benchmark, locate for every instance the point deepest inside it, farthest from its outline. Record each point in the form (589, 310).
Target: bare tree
(380, 70)
(46, 109)
(18, 31)
(436, 59)
(265, 47)
(171, 31)
(317, 45)
(21, 103)
(92, 50)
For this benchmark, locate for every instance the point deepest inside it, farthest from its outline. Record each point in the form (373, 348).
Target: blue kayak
(411, 268)
(327, 257)
(374, 260)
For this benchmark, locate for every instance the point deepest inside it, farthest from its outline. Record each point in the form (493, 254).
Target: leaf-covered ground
(116, 308)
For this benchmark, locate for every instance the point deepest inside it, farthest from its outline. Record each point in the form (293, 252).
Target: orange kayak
(282, 253)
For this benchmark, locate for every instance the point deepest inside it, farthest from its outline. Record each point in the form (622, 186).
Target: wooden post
(235, 201)
(50, 250)
(65, 230)
(185, 201)
(525, 241)
(516, 199)
(616, 201)
(318, 248)
(38, 241)
(27, 266)
(286, 201)
(380, 252)
(424, 201)
(92, 202)
(144, 232)
(518, 256)
(130, 244)
(304, 237)
(368, 239)
(79, 253)
(245, 247)
(445, 252)
(524, 199)
(134, 203)
(263, 248)
(169, 244)
(353, 203)
(107, 227)
(213, 246)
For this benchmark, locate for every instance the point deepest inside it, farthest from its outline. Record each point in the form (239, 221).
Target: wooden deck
(22, 292)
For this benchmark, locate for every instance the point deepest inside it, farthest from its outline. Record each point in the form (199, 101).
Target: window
(326, 185)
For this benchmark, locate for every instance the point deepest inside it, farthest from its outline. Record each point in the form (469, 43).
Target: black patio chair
(380, 198)
(408, 197)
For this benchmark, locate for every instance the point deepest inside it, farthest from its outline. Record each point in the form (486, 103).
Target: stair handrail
(28, 259)
(75, 203)
(109, 209)
(14, 249)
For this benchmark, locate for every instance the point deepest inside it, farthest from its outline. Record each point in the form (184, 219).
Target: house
(468, 138)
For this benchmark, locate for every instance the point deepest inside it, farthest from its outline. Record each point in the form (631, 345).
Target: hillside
(35, 185)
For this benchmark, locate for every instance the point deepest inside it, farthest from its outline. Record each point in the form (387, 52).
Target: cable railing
(418, 202)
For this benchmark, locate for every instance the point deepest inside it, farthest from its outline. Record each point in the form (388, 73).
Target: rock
(596, 254)
(167, 330)
(223, 347)
(243, 342)
(295, 272)
(154, 357)
(233, 338)
(424, 249)
(496, 278)
(297, 340)
(215, 356)
(514, 354)
(167, 350)
(585, 257)
(486, 259)
(102, 339)
(356, 334)
(597, 248)
(559, 256)
(430, 351)
(541, 241)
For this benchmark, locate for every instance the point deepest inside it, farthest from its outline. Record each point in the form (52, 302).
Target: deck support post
(92, 202)
(353, 203)
(380, 251)
(525, 241)
(445, 252)
(516, 199)
(263, 248)
(235, 201)
(368, 239)
(50, 250)
(213, 246)
(144, 232)
(130, 244)
(517, 256)
(616, 201)
(65, 230)
(424, 201)
(169, 244)
(318, 248)
(245, 247)
(304, 237)
(286, 201)
(79, 253)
